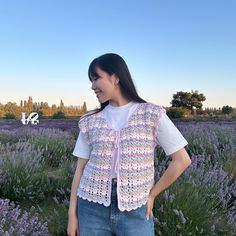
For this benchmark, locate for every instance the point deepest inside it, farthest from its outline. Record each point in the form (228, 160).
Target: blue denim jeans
(97, 220)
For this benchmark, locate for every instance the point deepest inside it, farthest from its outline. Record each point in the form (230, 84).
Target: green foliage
(58, 220)
(189, 209)
(38, 167)
(27, 178)
(227, 109)
(8, 137)
(27, 162)
(40, 113)
(188, 100)
(21, 172)
(177, 112)
(56, 146)
(56, 214)
(230, 166)
(59, 115)
(10, 115)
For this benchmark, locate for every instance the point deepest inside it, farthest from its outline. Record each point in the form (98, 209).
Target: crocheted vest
(136, 142)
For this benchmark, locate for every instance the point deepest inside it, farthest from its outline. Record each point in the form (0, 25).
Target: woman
(113, 189)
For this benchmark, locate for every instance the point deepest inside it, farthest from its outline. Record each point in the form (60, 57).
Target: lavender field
(37, 167)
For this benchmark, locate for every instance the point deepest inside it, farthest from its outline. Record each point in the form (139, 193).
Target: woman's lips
(97, 92)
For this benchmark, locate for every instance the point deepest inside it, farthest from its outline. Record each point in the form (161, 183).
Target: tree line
(187, 104)
(183, 104)
(12, 110)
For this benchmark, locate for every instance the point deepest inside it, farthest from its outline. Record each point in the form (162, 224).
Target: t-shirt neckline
(126, 124)
(113, 108)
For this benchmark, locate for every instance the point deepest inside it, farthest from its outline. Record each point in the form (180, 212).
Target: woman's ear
(116, 79)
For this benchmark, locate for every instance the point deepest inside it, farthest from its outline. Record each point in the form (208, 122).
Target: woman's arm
(75, 183)
(180, 161)
(72, 228)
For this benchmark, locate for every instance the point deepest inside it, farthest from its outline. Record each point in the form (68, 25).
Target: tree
(59, 115)
(9, 116)
(188, 100)
(62, 105)
(227, 109)
(176, 112)
(84, 108)
(30, 103)
(10, 107)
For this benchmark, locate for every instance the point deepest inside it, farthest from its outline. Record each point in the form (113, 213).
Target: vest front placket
(114, 158)
(117, 159)
(117, 148)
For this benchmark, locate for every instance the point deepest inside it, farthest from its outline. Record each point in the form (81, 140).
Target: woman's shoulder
(149, 106)
(90, 115)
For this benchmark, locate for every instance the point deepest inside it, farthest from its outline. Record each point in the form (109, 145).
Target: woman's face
(105, 86)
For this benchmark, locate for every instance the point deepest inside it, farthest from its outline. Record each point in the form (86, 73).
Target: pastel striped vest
(136, 142)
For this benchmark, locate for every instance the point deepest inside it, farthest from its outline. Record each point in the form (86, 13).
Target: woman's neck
(118, 102)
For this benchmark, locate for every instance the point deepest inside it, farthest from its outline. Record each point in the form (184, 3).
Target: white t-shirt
(168, 136)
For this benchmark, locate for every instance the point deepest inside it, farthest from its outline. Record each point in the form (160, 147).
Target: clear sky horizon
(169, 46)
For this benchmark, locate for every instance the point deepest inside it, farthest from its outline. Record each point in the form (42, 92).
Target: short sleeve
(82, 148)
(83, 125)
(168, 136)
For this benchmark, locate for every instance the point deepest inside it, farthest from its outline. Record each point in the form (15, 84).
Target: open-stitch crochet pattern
(136, 143)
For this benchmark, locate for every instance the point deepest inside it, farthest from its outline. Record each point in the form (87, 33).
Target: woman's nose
(93, 87)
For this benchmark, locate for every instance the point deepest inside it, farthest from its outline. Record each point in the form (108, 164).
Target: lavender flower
(14, 222)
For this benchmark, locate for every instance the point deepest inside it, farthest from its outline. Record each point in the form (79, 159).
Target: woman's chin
(101, 100)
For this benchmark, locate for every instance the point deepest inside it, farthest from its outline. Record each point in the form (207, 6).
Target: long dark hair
(112, 63)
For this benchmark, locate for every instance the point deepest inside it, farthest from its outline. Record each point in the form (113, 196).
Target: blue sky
(46, 47)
